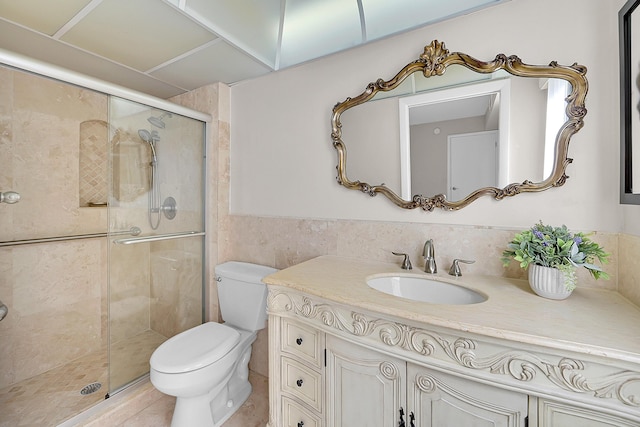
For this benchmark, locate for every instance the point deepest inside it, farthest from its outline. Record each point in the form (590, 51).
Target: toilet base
(216, 407)
(224, 411)
(193, 410)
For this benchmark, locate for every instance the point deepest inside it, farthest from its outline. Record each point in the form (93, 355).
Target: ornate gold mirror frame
(434, 62)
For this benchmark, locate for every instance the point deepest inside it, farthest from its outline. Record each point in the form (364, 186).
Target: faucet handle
(455, 267)
(406, 262)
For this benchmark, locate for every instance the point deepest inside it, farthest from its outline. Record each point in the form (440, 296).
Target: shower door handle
(9, 197)
(3, 310)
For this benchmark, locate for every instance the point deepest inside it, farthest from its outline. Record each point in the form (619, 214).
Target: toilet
(207, 367)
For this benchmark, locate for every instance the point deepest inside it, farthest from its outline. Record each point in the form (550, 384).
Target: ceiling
(167, 47)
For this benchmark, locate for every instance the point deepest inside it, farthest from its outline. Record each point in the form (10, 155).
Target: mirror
(629, 104)
(495, 128)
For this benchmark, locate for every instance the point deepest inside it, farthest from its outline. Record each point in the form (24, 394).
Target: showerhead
(158, 121)
(145, 135)
(150, 138)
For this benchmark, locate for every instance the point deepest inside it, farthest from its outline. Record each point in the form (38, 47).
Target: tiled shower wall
(56, 292)
(94, 163)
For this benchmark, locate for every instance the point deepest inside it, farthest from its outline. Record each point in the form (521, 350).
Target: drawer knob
(301, 423)
(299, 341)
(299, 382)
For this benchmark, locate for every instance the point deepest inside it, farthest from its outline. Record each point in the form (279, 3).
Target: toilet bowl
(206, 367)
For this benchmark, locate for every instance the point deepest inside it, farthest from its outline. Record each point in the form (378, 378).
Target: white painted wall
(283, 162)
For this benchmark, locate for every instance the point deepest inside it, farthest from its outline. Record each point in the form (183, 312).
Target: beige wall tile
(46, 117)
(629, 266)
(56, 313)
(129, 296)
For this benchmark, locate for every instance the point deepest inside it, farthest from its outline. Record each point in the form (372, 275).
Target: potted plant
(552, 255)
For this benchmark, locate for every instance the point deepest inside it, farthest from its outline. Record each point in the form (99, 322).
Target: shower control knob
(9, 197)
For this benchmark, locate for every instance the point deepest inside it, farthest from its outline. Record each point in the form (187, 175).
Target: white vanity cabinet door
(363, 387)
(559, 414)
(441, 400)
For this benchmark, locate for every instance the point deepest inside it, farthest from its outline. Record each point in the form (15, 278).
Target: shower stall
(101, 240)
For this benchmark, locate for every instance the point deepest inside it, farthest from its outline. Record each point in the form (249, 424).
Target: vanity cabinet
(369, 388)
(343, 355)
(318, 379)
(323, 380)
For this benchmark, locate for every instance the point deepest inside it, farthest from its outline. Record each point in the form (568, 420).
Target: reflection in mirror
(481, 128)
(452, 140)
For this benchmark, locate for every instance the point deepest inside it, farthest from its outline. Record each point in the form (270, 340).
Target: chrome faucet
(429, 254)
(406, 263)
(455, 266)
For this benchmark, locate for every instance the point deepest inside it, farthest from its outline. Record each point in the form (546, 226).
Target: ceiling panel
(249, 24)
(315, 28)
(140, 34)
(17, 39)
(218, 62)
(384, 17)
(45, 16)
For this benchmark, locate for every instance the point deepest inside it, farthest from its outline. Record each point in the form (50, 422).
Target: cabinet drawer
(301, 341)
(294, 415)
(302, 382)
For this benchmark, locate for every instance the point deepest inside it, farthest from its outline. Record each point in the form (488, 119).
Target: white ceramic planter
(548, 282)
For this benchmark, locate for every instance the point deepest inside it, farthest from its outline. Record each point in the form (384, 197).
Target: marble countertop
(597, 322)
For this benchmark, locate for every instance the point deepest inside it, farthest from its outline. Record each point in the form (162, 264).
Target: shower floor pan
(50, 398)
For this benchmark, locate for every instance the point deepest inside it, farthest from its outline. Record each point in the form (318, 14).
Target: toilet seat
(195, 348)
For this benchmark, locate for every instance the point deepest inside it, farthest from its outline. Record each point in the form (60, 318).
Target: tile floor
(253, 413)
(57, 392)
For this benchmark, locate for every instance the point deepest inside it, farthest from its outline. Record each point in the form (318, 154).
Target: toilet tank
(242, 294)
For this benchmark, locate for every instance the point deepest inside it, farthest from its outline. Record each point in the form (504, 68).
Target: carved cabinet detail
(334, 367)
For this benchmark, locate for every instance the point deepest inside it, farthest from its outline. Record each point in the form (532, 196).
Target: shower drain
(91, 388)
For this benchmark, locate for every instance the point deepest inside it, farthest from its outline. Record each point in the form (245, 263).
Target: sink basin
(419, 288)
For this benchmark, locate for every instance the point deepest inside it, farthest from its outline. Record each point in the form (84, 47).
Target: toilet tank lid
(247, 272)
(194, 348)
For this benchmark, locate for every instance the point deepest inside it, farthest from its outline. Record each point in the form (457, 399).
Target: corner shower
(92, 279)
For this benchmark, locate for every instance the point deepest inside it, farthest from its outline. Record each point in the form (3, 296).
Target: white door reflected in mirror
(465, 113)
(473, 163)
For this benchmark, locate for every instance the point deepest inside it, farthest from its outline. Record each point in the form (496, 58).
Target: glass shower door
(156, 233)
